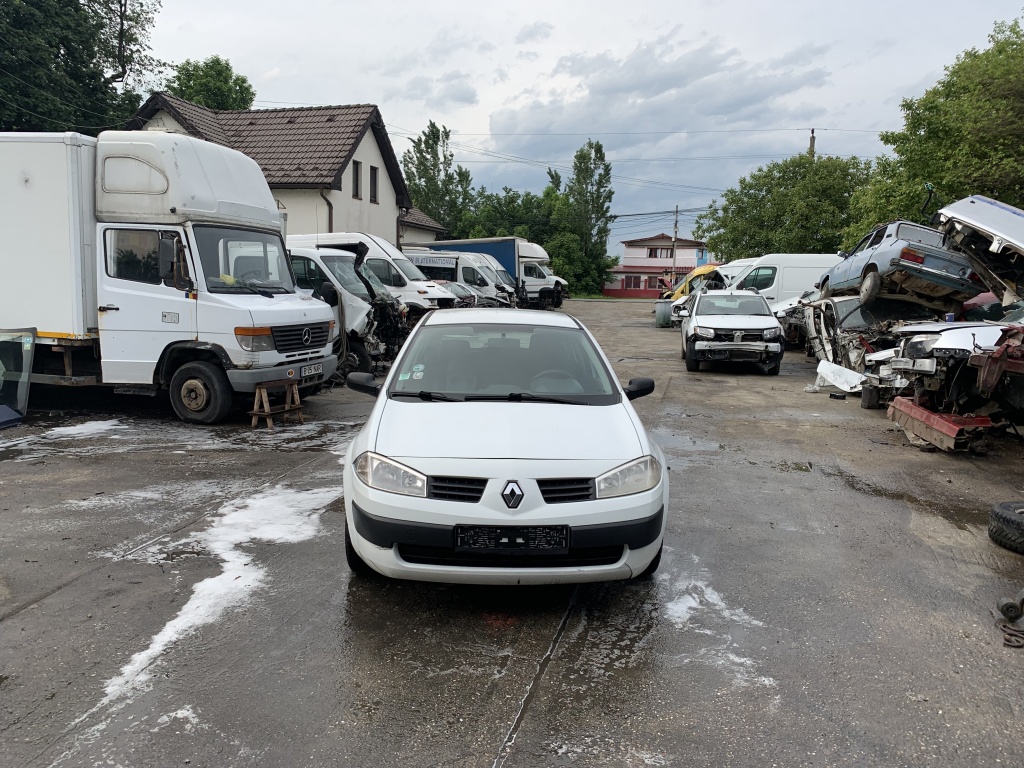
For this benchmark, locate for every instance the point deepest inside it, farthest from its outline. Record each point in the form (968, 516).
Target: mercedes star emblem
(307, 337)
(513, 494)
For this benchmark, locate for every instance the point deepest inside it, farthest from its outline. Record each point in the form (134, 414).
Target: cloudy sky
(685, 95)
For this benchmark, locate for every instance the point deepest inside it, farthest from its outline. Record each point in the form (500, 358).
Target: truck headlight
(255, 339)
(636, 477)
(704, 333)
(383, 474)
(771, 333)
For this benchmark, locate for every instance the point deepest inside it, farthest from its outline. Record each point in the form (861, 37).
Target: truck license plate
(310, 370)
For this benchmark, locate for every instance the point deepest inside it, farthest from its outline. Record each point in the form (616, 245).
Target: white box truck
(152, 261)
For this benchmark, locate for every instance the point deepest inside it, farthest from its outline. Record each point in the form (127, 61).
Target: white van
(405, 282)
(781, 276)
(471, 269)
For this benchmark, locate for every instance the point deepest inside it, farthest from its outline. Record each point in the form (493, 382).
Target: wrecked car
(906, 261)
(991, 234)
(731, 325)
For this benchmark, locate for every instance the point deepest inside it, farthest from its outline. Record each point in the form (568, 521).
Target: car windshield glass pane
(1015, 315)
(880, 311)
(732, 305)
(409, 269)
(343, 267)
(488, 273)
(917, 234)
(501, 360)
(241, 261)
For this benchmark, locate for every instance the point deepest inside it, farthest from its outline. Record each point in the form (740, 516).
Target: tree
(70, 64)
(211, 83)
(964, 136)
(585, 211)
(443, 192)
(797, 205)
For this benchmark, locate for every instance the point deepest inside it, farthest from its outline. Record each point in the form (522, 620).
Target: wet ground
(175, 595)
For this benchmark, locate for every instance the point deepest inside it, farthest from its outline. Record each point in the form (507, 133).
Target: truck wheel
(200, 393)
(690, 356)
(870, 287)
(1006, 525)
(357, 348)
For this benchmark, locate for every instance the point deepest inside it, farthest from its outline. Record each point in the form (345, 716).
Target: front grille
(564, 489)
(730, 336)
(289, 338)
(532, 537)
(575, 557)
(468, 489)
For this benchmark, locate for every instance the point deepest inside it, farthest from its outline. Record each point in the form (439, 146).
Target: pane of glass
(16, 350)
(132, 254)
(240, 261)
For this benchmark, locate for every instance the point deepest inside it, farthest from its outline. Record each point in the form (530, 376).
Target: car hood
(737, 322)
(995, 255)
(962, 336)
(420, 429)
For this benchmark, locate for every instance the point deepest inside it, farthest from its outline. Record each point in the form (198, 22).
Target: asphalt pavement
(178, 595)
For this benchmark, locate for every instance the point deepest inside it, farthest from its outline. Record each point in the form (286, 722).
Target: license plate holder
(311, 370)
(546, 539)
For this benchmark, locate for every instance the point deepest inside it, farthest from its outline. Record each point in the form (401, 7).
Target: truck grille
(293, 338)
(563, 489)
(468, 489)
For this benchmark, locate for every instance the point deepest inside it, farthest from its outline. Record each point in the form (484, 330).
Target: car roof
(531, 317)
(728, 292)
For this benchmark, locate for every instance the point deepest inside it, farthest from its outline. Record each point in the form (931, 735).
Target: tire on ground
(692, 363)
(200, 393)
(1006, 525)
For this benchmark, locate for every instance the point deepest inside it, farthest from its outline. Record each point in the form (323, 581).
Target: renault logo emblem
(513, 494)
(307, 337)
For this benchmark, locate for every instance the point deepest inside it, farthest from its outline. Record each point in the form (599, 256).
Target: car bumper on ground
(757, 351)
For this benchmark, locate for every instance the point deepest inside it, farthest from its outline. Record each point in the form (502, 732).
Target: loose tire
(356, 564)
(200, 393)
(870, 287)
(1010, 609)
(692, 363)
(357, 348)
(648, 572)
(1006, 525)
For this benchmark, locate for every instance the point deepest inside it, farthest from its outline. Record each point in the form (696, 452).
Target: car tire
(870, 287)
(200, 393)
(1006, 525)
(364, 363)
(690, 356)
(356, 564)
(648, 572)
(825, 292)
(870, 397)
(773, 370)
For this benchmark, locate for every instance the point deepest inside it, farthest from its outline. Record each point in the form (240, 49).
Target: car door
(857, 261)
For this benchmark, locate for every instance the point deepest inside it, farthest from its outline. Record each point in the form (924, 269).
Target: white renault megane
(555, 481)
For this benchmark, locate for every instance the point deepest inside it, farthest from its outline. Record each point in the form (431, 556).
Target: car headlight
(635, 477)
(771, 333)
(705, 333)
(921, 345)
(383, 474)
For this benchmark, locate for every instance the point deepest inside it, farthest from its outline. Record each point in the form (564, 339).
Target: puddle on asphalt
(960, 516)
(121, 435)
(671, 441)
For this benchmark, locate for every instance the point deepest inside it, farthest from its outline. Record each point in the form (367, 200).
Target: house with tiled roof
(649, 263)
(331, 169)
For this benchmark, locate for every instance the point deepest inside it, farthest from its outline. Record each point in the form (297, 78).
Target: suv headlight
(704, 333)
(635, 477)
(383, 474)
(921, 345)
(771, 333)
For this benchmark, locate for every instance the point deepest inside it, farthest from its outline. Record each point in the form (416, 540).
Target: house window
(659, 253)
(631, 281)
(373, 184)
(652, 282)
(357, 175)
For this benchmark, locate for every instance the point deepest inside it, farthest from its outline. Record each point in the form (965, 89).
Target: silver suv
(731, 325)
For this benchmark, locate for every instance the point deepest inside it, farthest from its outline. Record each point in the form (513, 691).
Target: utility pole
(675, 234)
(810, 149)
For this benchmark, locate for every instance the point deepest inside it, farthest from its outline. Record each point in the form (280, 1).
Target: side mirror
(329, 293)
(363, 382)
(843, 254)
(639, 387)
(684, 312)
(481, 282)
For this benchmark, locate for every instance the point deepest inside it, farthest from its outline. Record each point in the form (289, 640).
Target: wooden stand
(261, 404)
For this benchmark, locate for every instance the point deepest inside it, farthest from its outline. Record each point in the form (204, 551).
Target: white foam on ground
(88, 429)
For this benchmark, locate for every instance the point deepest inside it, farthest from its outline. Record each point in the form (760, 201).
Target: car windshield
(916, 234)
(880, 311)
(506, 278)
(242, 261)
(520, 363)
(488, 273)
(1016, 314)
(732, 304)
(343, 267)
(409, 269)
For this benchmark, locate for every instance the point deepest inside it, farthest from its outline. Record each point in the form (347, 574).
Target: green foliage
(964, 136)
(441, 191)
(585, 210)
(212, 83)
(797, 205)
(65, 65)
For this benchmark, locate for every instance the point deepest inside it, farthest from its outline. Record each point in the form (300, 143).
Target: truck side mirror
(481, 282)
(328, 293)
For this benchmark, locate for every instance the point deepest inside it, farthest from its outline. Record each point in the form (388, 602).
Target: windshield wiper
(424, 395)
(523, 397)
(250, 287)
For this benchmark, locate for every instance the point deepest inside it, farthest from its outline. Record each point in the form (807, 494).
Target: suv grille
(730, 336)
(558, 490)
(456, 488)
(289, 338)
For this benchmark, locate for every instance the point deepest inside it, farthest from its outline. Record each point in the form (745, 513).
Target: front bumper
(247, 379)
(757, 351)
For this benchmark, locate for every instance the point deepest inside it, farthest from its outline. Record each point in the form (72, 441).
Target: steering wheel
(552, 373)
